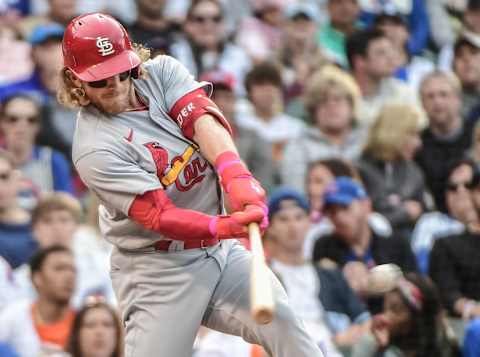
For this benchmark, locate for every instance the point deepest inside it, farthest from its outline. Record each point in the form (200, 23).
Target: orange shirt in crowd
(57, 332)
(257, 351)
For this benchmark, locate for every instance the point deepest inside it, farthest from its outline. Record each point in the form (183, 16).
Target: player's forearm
(212, 138)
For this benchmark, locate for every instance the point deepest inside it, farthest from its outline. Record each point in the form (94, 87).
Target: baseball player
(159, 155)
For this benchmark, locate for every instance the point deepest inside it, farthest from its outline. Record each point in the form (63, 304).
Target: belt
(164, 245)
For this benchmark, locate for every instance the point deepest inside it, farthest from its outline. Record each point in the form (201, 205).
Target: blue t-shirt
(16, 243)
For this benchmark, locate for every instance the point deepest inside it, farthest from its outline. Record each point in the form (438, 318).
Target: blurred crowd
(360, 118)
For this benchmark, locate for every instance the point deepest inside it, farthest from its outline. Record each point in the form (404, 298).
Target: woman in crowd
(331, 102)
(96, 332)
(412, 324)
(392, 179)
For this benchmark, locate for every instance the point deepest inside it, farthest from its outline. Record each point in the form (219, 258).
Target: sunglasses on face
(204, 19)
(104, 82)
(13, 119)
(454, 187)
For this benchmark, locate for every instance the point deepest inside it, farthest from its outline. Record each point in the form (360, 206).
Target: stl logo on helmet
(104, 45)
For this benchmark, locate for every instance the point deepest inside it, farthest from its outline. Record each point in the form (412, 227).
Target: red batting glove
(238, 183)
(235, 225)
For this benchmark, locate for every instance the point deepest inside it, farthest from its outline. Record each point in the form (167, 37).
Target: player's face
(98, 333)
(113, 98)
(55, 228)
(289, 227)
(56, 280)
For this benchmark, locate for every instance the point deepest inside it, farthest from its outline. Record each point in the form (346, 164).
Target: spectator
(448, 137)
(150, 22)
(466, 65)
(59, 11)
(460, 212)
(16, 242)
(32, 328)
(321, 297)
(262, 34)
(264, 88)
(43, 168)
(55, 222)
(320, 175)
(206, 47)
(392, 179)
(343, 15)
(409, 68)
(454, 267)
(300, 55)
(96, 331)
(59, 122)
(331, 101)
(469, 15)
(354, 246)
(371, 57)
(7, 285)
(254, 150)
(414, 13)
(412, 323)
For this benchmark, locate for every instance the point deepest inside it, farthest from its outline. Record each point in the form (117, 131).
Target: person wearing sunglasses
(159, 155)
(459, 213)
(43, 168)
(205, 46)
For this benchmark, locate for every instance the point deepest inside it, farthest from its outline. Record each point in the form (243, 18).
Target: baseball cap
(343, 191)
(42, 33)
(466, 38)
(307, 10)
(284, 197)
(219, 79)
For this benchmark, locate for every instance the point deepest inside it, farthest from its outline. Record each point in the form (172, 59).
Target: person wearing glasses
(159, 155)
(460, 212)
(43, 168)
(205, 46)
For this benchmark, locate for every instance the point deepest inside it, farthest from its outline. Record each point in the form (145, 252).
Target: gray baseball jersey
(121, 156)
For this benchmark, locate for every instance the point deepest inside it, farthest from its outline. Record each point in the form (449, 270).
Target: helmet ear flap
(135, 72)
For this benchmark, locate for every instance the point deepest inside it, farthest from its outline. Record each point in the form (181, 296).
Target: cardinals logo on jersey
(159, 155)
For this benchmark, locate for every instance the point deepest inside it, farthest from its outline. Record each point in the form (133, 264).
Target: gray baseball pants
(165, 296)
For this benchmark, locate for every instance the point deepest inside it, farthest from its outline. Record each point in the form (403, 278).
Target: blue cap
(277, 200)
(343, 191)
(298, 8)
(42, 33)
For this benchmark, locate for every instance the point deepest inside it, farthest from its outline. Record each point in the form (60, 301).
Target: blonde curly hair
(73, 97)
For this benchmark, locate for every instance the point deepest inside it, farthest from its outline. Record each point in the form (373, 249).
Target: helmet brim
(108, 68)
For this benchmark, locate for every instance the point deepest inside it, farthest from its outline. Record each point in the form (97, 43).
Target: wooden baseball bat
(261, 295)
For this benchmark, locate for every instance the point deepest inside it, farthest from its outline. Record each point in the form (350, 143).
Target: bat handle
(262, 303)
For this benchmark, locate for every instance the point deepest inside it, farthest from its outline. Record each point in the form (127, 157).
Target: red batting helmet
(96, 46)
